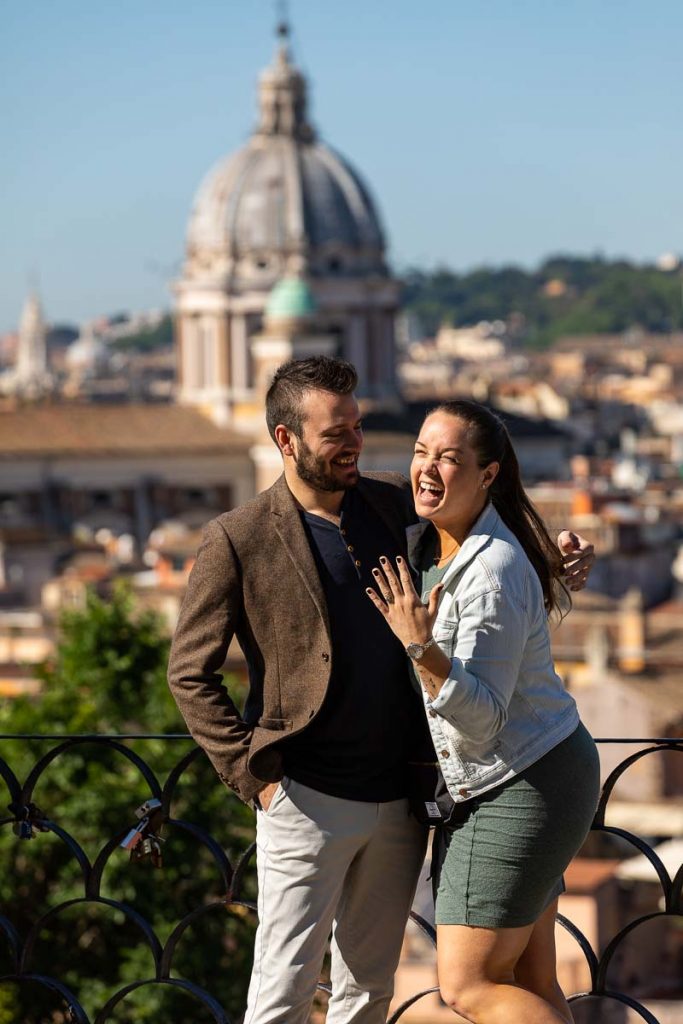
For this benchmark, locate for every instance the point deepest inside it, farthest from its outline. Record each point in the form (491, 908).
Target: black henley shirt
(358, 745)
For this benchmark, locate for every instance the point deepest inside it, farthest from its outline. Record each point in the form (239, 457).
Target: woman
(519, 766)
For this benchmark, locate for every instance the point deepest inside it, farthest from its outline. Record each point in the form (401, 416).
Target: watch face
(415, 650)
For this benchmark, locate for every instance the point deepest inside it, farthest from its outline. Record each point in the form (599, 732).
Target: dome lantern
(283, 96)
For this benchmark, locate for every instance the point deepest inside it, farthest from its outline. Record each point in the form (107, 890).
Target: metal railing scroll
(83, 895)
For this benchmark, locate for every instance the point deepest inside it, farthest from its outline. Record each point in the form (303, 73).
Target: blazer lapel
(288, 526)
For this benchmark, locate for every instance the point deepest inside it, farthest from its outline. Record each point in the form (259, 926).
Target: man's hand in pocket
(266, 795)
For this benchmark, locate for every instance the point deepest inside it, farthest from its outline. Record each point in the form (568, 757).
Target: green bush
(109, 676)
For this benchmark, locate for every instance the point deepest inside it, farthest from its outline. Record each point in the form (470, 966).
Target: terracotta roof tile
(113, 430)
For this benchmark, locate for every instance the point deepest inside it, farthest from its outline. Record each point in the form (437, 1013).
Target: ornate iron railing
(25, 925)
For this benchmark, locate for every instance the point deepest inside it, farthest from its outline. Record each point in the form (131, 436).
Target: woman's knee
(468, 998)
(472, 965)
(456, 998)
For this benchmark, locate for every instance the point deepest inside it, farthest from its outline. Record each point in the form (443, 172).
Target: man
(331, 719)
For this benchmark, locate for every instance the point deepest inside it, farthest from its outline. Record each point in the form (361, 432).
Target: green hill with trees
(149, 339)
(564, 295)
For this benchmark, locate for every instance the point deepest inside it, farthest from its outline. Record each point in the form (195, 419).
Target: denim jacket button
(464, 792)
(445, 753)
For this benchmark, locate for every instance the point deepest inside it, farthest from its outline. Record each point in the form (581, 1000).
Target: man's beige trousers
(331, 866)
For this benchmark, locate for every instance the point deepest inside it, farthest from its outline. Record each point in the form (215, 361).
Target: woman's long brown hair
(489, 437)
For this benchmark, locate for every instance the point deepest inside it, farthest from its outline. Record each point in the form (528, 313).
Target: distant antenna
(282, 28)
(33, 280)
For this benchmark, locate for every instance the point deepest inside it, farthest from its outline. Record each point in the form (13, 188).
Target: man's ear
(283, 439)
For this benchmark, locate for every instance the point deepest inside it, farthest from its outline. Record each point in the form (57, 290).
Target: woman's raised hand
(578, 558)
(400, 604)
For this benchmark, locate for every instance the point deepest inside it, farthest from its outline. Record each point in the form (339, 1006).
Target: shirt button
(350, 547)
(357, 564)
(432, 712)
(445, 753)
(343, 533)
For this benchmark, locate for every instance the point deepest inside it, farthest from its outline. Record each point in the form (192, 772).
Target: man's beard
(312, 470)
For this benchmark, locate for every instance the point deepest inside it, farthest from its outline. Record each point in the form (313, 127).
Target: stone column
(193, 356)
(358, 350)
(388, 362)
(223, 354)
(186, 363)
(239, 355)
(374, 353)
(208, 346)
(179, 342)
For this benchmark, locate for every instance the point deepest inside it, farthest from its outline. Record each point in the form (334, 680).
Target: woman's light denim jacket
(503, 705)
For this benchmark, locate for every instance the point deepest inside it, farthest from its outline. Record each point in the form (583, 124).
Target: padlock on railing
(145, 839)
(28, 817)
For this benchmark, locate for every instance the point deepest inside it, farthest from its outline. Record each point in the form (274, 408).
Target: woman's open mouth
(429, 488)
(429, 493)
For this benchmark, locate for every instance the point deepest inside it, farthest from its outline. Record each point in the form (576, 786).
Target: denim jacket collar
(478, 536)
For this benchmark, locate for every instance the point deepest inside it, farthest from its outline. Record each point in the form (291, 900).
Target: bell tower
(31, 378)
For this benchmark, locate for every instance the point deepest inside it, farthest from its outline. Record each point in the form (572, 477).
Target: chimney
(582, 502)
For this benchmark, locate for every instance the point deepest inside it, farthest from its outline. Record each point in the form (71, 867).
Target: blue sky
(489, 131)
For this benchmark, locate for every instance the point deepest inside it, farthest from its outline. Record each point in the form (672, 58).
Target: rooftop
(113, 430)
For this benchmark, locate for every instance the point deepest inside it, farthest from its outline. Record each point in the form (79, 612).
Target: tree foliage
(108, 675)
(564, 295)
(147, 340)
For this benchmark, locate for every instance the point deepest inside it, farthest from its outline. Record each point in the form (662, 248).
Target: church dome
(285, 202)
(88, 352)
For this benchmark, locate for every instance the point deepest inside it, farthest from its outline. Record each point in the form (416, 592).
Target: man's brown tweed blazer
(255, 577)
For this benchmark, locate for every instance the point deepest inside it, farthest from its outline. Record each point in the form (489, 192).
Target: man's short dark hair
(293, 379)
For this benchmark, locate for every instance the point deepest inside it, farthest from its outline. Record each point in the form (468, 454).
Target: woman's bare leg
(536, 968)
(477, 980)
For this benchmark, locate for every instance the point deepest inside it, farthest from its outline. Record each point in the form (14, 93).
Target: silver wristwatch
(417, 651)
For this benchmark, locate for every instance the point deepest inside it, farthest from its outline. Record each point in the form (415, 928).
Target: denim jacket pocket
(445, 632)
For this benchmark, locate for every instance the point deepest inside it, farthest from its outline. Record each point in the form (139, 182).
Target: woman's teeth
(431, 489)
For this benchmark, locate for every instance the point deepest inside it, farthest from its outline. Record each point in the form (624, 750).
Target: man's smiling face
(326, 455)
